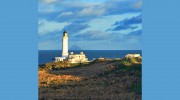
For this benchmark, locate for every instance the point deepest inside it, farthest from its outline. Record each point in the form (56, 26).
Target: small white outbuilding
(132, 56)
(59, 59)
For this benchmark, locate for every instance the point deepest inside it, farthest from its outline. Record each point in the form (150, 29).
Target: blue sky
(91, 24)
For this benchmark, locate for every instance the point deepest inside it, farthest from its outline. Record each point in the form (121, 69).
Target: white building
(132, 56)
(73, 58)
(64, 48)
(59, 59)
(65, 44)
(77, 58)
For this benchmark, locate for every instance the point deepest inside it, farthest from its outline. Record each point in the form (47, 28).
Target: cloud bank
(91, 24)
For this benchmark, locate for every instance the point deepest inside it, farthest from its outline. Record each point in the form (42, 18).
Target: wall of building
(132, 55)
(77, 58)
(65, 45)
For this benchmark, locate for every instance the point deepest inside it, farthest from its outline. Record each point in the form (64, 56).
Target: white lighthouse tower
(65, 44)
(73, 58)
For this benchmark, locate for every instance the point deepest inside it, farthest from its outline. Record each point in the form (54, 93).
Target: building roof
(65, 33)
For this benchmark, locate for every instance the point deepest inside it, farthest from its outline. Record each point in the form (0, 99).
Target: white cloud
(46, 8)
(46, 27)
(80, 4)
(105, 22)
(138, 4)
(49, 45)
(130, 44)
(91, 11)
(48, 1)
(102, 14)
(65, 14)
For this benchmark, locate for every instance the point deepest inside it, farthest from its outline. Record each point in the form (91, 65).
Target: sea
(45, 56)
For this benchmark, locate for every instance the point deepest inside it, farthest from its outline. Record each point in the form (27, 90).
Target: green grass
(62, 65)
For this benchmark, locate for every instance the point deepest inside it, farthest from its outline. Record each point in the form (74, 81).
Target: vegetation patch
(62, 65)
(104, 80)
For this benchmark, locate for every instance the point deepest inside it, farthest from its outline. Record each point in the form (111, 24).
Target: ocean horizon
(45, 56)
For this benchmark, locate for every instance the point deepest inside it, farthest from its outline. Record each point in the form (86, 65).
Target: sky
(91, 24)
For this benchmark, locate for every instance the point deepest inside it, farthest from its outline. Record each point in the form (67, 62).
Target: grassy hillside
(111, 80)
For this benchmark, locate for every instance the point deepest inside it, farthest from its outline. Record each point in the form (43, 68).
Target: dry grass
(47, 79)
(99, 81)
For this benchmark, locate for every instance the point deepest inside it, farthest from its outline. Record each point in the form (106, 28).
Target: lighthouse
(65, 44)
(72, 58)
